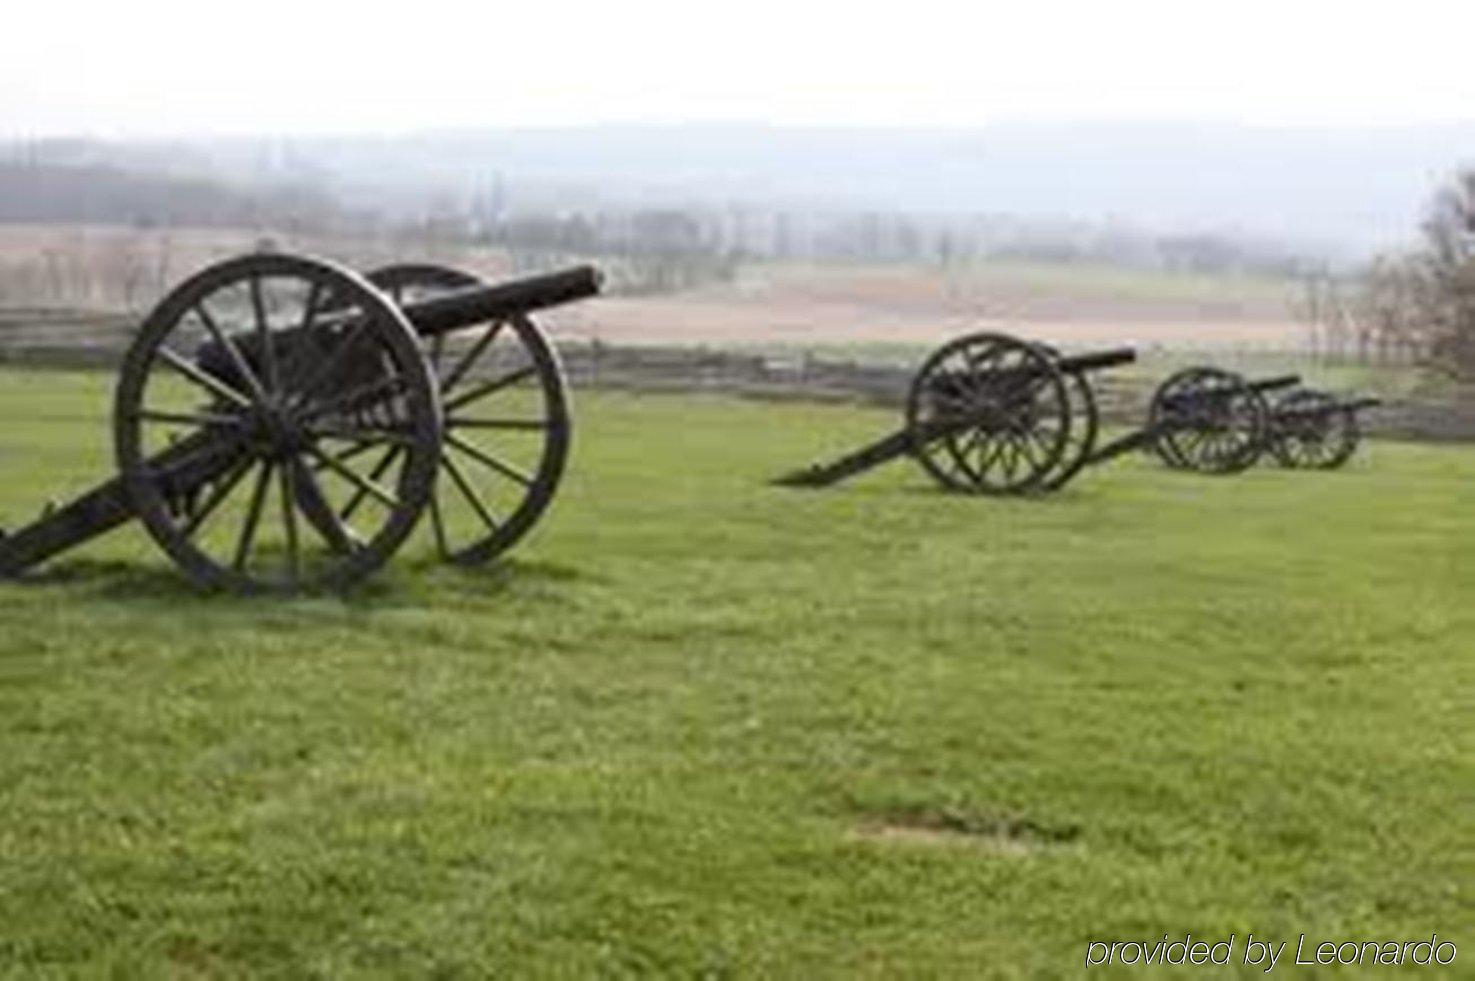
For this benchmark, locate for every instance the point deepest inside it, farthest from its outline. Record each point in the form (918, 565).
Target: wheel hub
(273, 433)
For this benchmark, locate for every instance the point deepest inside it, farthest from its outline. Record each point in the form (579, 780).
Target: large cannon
(281, 423)
(991, 414)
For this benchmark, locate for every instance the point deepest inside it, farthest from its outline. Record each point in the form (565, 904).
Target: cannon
(987, 413)
(1312, 429)
(1230, 419)
(281, 423)
(1202, 419)
(992, 414)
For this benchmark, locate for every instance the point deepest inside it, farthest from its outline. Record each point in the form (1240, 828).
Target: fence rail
(73, 339)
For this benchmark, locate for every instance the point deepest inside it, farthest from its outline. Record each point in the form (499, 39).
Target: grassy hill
(699, 725)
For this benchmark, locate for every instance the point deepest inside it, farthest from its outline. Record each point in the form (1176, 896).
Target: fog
(1320, 125)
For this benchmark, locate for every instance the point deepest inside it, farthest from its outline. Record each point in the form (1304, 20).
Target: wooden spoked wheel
(1083, 430)
(248, 410)
(1310, 430)
(989, 414)
(1210, 420)
(508, 426)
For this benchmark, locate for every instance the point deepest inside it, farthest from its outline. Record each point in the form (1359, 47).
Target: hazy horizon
(1341, 192)
(1314, 123)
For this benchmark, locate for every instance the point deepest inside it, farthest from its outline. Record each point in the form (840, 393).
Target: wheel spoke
(253, 516)
(469, 492)
(232, 351)
(464, 365)
(218, 494)
(202, 419)
(530, 425)
(300, 359)
(202, 378)
(437, 524)
(263, 331)
(487, 460)
(1025, 443)
(995, 450)
(358, 480)
(487, 388)
(314, 504)
(287, 478)
(358, 449)
(360, 494)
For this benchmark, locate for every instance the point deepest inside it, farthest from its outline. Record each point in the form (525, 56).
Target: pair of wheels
(281, 426)
(1312, 430)
(992, 414)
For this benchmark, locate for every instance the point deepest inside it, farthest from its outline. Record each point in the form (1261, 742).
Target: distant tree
(1443, 288)
(1420, 302)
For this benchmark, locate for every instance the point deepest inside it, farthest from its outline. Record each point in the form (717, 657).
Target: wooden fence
(82, 340)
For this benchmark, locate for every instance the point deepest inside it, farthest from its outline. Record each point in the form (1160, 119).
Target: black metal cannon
(1312, 429)
(346, 405)
(988, 414)
(1223, 419)
(992, 414)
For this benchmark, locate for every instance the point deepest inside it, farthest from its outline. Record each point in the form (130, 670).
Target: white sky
(161, 67)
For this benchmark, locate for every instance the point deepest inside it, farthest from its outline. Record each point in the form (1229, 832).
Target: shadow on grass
(408, 584)
(1070, 494)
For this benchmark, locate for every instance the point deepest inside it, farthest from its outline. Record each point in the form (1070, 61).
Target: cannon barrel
(478, 304)
(1275, 382)
(1328, 408)
(1076, 364)
(1096, 360)
(1183, 400)
(431, 317)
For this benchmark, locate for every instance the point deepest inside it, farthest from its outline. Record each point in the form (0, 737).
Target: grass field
(701, 726)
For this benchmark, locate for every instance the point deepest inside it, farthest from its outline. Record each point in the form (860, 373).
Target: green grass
(699, 725)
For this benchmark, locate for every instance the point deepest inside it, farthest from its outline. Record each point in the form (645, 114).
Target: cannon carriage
(281, 423)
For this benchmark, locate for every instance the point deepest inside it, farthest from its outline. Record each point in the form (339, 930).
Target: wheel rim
(247, 415)
(507, 421)
(1211, 421)
(988, 414)
(1082, 431)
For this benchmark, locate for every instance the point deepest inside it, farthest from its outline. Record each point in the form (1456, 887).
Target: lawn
(698, 725)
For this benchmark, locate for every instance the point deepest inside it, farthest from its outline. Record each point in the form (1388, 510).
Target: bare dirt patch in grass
(1012, 836)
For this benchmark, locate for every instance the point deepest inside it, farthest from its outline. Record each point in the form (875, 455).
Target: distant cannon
(346, 405)
(987, 414)
(1230, 419)
(992, 414)
(1311, 429)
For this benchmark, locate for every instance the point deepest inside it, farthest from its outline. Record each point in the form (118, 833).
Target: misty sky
(166, 67)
